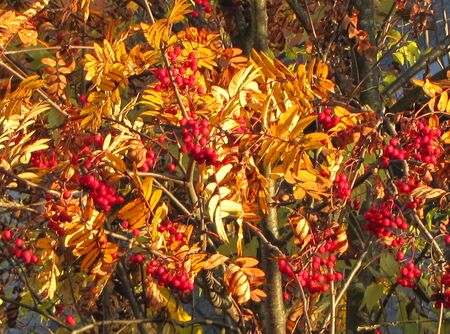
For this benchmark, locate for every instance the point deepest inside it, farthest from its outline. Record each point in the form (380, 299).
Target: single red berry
(447, 239)
(67, 194)
(7, 235)
(70, 320)
(171, 167)
(19, 243)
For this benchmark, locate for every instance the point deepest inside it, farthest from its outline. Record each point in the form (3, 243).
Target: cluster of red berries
(406, 187)
(70, 319)
(393, 151)
(341, 186)
(319, 277)
(326, 120)
(136, 259)
(409, 275)
(17, 248)
(169, 226)
(44, 159)
(196, 138)
(424, 143)
(150, 161)
(285, 268)
(126, 225)
(182, 72)
(58, 215)
(414, 203)
(175, 279)
(95, 142)
(380, 220)
(203, 4)
(103, 195)
(443, 299)
(321, 272)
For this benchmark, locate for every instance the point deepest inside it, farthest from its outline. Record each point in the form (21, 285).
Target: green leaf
(372, 295)
(399, 57)
(389, 265)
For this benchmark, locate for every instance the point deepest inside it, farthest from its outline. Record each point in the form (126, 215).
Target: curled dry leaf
(425, 192)
(242, 280)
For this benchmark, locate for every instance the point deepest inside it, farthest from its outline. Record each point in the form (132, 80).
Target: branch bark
(274, 313)
(439, 50)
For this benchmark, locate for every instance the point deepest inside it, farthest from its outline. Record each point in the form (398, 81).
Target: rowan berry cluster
(17, 248)
(136, 259)
(196, 134)
(175, 279)
(150, 161)
(341, 186)
(57, 215)
(171, 228)
(327, 120)
(443, 299)
(103, 195)
(182, 72)
(424, 143)
(90, 142)
(409, 275)
(406, 187)
(320, 272)
(319, 277)
(381, 220)
(202, 4)
(44, 159)
(393, 151)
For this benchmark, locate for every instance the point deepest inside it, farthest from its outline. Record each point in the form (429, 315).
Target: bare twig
(440, 49)
(173, 198)
(75, 47)
(40, 91)
(392, 324)
(146, 320)
(34, 309)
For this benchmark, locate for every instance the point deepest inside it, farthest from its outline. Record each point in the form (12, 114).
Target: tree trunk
(273, 314)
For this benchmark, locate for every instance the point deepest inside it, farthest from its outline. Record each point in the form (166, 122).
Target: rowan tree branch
(439, 50)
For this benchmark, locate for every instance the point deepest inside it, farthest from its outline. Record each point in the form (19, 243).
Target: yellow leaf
(443, 100)
(214, 261)
(431, 89)
(425, 192)
(176, 311)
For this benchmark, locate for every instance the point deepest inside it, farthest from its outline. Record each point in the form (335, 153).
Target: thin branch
(74, 47)
(40, 91)
(147, 320)
(167, 64)
(428, 58)
(171, 178)
(173, 198)
(28, 183)
(123, 277)
(34, 309)
(392, 324)
(304, 22)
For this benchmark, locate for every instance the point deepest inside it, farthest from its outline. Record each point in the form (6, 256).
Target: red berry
(19, 243)
(70, 320)
(447, 239)
(26, 256)
(7, 235)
